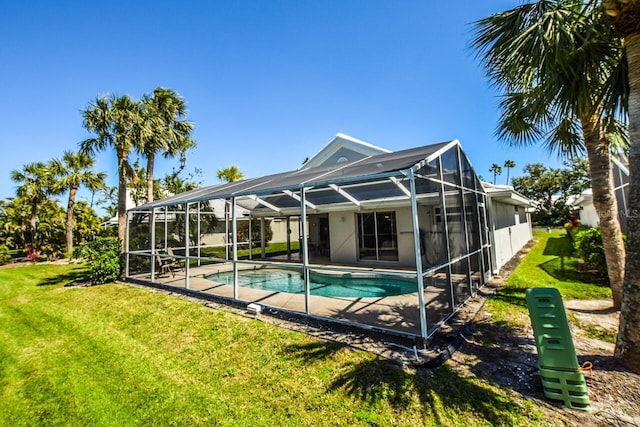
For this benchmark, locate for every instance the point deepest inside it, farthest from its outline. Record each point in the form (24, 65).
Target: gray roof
(379, 166)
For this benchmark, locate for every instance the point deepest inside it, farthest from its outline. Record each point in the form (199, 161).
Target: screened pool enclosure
(395, 242)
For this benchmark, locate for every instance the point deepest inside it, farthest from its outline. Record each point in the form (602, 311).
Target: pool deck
(399, 313)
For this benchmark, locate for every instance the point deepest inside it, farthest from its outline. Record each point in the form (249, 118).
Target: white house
(396, 241)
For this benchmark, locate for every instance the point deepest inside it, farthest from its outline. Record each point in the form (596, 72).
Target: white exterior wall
(342, 237)
(406, 246)
(588, 215)
(508, 241)
(279, 229)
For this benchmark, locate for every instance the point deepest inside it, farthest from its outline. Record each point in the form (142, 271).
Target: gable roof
(343, 148)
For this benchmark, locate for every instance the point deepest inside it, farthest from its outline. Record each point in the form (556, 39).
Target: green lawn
(550, 263)
(271, 249)
(118, 355)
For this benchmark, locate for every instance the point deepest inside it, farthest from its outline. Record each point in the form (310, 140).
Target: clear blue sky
(267, 83)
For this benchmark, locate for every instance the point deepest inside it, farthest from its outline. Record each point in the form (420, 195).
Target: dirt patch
(507, 357)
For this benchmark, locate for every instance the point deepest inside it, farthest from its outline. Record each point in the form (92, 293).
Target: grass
(120, 355)
(271, 249)
(550, 263)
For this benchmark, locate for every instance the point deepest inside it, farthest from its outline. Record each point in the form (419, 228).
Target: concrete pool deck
(397, 313)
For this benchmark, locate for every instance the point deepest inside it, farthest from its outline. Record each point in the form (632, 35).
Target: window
(377, 236)
(453, 214)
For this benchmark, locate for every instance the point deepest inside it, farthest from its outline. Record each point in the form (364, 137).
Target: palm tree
(34, 189)
(509, 164)
(15, 222)
(623, 14)
(117, 123)
(496, 169)
(71, 172)
(165, 132)
(230, 174)
(553, 61)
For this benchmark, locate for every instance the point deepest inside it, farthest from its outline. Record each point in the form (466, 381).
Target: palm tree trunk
(122, 202)
(69, 222)
(150, 162)
(604, 200)
(628, 344)
(33, 222)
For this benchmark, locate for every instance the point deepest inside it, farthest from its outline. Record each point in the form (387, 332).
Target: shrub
(574, 230)
(5, 256)
(103, 258)
(589, 247)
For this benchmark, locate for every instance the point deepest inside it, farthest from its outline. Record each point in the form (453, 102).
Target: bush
(589, 247)
(574, 230)
(5, 256)
(103, 257)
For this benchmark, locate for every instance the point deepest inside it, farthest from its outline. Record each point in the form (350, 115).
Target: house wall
(279, 229)
(342, 237)
(588, 215)
(406, 246)
(508, 241)
(507, 215)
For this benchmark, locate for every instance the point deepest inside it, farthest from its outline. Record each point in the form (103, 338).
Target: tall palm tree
(34, 189)
(70, 173)
(624, 14)
(509, 164)
(165, 131)
(116, 121)
(496, 169)
(553, 60)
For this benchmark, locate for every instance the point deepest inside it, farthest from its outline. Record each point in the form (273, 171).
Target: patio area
(417, 215)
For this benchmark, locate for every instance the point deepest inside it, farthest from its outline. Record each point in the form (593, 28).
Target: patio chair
(165, 266)
(178, 263)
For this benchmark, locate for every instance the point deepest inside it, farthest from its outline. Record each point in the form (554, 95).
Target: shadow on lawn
(510, 295)
(56, 278)
(565, 266)
(441, 392)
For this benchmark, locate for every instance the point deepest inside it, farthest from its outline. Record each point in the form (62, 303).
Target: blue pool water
(322, 284)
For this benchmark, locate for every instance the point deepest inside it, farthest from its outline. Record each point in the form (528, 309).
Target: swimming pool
(346, 285)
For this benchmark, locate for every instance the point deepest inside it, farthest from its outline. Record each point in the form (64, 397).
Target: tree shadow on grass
(509, 295)
(66, 279)
(565, 266)
(313, 351)
(441, 392)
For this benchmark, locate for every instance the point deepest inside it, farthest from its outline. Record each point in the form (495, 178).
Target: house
(509, 222)
(391, 241)
(620, 175)
(509, 211)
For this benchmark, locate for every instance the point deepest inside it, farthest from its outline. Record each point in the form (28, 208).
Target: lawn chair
(178, 263)
(167, 265)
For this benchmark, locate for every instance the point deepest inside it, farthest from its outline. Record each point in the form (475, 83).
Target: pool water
(329, 285)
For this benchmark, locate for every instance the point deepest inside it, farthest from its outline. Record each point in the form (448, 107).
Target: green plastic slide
(559, 369)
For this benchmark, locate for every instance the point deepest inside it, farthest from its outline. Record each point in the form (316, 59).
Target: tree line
(152, 126)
